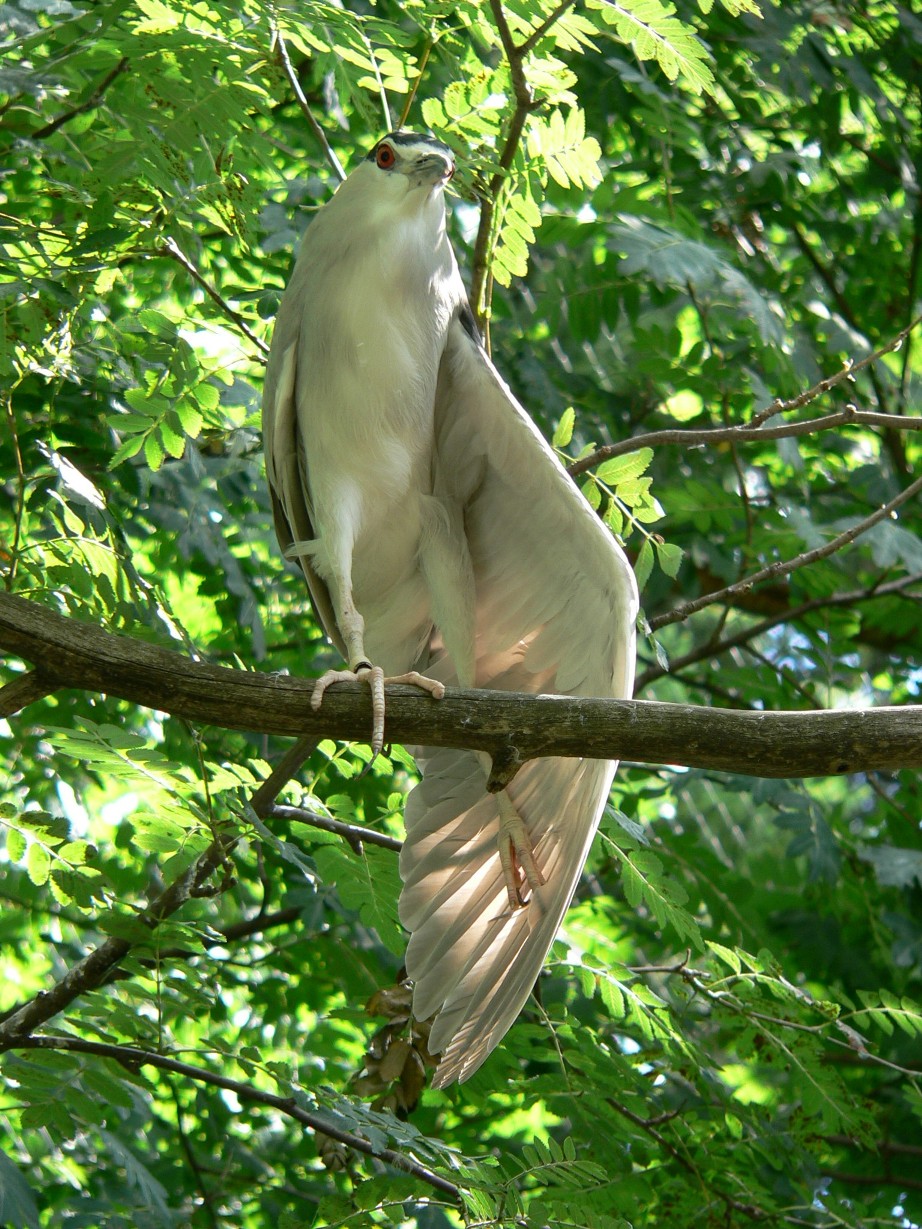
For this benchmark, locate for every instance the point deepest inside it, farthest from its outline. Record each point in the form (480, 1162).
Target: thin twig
(382, 92)
(539, 32)
(786, 567)
(892, 440)
(20, 491)
(411, 97)
(714, 648)
(911, 279)
(900, 1180)
(205, 1195)
(87, 105)
(355, 834)
(744, 433)
(132, 1058)
(754, 430)
(524, 105)
(172, 249)
(279, 40)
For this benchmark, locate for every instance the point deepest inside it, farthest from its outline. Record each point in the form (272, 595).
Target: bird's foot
(520, 870)
(365, 672)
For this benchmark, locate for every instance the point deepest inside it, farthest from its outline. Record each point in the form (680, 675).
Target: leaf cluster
(673, 216)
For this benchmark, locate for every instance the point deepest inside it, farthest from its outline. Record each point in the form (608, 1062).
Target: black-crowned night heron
(439, 533)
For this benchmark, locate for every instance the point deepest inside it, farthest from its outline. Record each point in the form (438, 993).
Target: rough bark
(513, 728)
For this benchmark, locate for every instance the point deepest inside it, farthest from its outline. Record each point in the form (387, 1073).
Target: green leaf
(670, 557)
(38, 863)
(564, 431)
(15, 844)
(644, 564)
(621, 469)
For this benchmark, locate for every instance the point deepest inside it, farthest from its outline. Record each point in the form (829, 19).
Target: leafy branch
(524, 105)
(755, 431)
(786, 567)
(96, 967)
(131, 1057)
(89, 104)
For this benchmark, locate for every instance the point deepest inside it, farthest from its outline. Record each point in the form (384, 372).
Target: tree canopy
(692, 234)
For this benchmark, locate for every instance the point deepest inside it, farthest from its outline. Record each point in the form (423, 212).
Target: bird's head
(403, 162)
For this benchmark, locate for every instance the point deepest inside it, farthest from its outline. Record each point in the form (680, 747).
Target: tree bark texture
(513, 728)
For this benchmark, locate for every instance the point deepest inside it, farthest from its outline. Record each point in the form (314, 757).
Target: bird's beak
(434, 167)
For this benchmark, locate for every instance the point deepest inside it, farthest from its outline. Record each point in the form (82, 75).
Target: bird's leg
(352, 626)
(516, 854)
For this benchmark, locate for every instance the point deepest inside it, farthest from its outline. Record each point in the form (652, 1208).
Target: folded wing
(555, 609)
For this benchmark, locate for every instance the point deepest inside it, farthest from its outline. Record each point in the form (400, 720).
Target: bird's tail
(472, 958)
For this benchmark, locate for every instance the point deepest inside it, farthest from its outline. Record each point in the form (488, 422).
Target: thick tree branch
(506, 725)
(132, 1058)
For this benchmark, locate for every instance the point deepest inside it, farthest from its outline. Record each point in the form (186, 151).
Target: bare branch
(355, 834)
(714, 648)
(24, 690)
(539, 32)
(755, 431)
(329, 153)
(418, 80)
(132, 1058)
(172, 249)
(506, 725)
(786, 567)
(744, 433)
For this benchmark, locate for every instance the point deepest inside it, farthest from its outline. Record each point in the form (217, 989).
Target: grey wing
(286, 465)
(556, 605)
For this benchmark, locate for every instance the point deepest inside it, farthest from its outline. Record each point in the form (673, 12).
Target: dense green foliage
(709, 210)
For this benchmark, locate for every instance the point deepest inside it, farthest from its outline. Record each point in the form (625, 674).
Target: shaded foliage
(710, 209)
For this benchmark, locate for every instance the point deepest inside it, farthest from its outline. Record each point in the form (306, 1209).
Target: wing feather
(286, 465)
(556, 604)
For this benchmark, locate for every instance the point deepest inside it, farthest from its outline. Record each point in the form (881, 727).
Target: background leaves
(671, 216)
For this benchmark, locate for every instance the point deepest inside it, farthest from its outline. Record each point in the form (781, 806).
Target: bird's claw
(365, 672)
(516, 854)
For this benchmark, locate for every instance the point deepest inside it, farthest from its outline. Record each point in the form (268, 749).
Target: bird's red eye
(385, 157)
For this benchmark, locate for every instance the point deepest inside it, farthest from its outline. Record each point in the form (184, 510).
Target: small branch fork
(785, 567)
(754, 430)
